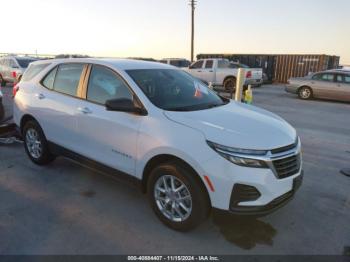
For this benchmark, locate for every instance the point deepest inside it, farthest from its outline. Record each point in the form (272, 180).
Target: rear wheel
(230, 84)
(176, 197)
(305, 93)
(35, 144)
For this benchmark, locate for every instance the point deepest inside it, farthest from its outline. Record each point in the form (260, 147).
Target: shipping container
(279, 68)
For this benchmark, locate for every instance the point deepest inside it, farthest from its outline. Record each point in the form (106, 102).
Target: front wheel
(35, 144)
(305, 93)
(176, 196)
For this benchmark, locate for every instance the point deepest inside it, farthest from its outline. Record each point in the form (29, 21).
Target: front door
(107, 137)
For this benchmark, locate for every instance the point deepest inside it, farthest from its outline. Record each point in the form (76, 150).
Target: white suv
(188, 148)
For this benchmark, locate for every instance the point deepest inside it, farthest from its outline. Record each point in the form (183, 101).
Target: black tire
(2, 81)
(230, 84)
(305, 93)
(44, 157)
(2, 110)
(200, 205)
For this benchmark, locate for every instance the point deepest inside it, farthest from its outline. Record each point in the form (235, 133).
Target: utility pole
(193, 6)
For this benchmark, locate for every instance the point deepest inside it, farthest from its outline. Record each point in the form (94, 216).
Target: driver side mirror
(124, 105)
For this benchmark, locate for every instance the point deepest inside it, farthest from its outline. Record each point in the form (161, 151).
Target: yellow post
(248, 96)
(239, 84)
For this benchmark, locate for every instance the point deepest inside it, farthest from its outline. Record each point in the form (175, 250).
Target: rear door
(343, 82)
(208, 73)
(56, 102)
(107, 137)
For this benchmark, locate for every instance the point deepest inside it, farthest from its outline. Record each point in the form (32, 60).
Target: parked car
(13, 67)
(178, 62)
(189, 149)
(221, 72)
(332, 84)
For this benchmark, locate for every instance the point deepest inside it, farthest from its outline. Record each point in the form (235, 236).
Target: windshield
(24, 62)
(175, 90)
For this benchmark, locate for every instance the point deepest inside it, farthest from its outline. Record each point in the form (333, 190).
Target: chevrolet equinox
(188, 149)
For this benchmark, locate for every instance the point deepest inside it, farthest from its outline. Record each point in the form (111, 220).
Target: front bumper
(270, 207)
(266, 189)
(291, 89)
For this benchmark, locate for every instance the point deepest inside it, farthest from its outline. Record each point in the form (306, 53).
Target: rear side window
(50, 79)
(209, 64)
(67, 78)
(104, 84)
(33, 71)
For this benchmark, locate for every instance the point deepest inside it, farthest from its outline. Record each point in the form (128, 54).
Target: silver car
(13, 67)
(332, 84)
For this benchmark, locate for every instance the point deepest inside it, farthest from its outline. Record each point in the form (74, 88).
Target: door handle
(211, 71)
(84, 110)
(39, 96)
(199, 71)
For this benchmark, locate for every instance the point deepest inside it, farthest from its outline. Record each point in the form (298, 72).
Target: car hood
(238, 125)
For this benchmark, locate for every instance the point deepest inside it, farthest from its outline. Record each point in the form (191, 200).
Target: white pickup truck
(222, 72)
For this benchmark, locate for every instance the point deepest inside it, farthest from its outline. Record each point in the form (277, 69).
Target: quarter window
(50, 79)
(67, 78)
(104, 85)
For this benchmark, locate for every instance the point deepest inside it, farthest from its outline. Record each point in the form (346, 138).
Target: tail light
(249, 74)
(14, 74)
(15, 90)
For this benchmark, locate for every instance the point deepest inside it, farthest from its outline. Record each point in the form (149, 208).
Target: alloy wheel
(33, 143)
(173, 198)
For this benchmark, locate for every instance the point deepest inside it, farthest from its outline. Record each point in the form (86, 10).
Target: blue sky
(161, 28)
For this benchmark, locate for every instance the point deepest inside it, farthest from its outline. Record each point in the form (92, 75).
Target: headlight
(237, 155)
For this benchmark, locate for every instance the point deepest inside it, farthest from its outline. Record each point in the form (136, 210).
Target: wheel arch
(25, 118)
(228, 77)
(164, 158)
(300, 87)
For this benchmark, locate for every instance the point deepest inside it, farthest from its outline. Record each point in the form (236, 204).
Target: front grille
(287, 167)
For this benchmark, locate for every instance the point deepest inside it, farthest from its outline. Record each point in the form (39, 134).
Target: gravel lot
(67, 209)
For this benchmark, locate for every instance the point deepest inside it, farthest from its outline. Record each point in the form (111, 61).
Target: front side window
(67, 78)
(32, 71)
(324, 77)
(197, 65)
(104, 85)
(328, 77)
(175, 90)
